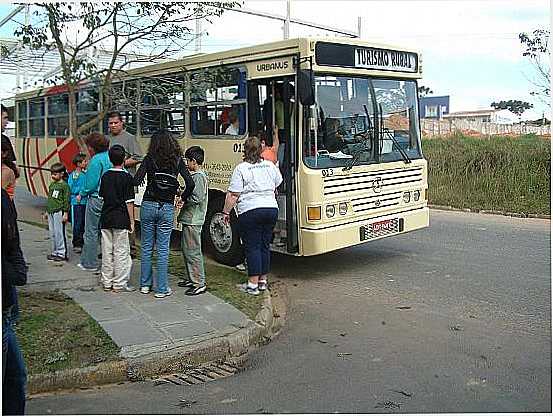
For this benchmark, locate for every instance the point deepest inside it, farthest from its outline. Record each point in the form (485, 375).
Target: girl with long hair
(161, 166)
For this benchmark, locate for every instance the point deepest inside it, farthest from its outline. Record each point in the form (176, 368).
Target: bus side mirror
(306, 87)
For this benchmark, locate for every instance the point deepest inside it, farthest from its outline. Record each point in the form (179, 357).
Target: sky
(470, 48)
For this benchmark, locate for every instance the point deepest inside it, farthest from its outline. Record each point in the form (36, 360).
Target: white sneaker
(126, 288)
(145, 290)
(164, 295)
(263, 285)
(250, 291)
(241, 267)
(87, 269)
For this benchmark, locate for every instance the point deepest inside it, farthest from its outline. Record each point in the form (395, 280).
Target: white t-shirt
(232, 130)
(256, 184)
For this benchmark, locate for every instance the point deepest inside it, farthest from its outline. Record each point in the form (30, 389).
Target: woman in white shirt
(252, 190)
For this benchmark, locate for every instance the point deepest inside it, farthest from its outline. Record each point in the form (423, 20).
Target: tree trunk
(73, 123)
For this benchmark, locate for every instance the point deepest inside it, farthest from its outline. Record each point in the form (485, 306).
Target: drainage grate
(209, 372)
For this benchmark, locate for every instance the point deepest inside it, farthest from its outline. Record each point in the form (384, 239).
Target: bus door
(272, 102)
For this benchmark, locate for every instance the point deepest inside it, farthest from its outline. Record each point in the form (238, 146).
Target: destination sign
(385, 59)
(334, 54)
(270, 67)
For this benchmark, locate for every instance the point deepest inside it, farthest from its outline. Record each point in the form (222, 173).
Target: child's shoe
(193, 291)
(263, 285)
(126, 288)
(164, 295)
(87, 269)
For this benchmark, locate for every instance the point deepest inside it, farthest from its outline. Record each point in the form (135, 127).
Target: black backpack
(165, 185)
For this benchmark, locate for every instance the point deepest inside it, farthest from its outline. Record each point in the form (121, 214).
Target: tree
(150, 32)
(424, 91)
(514, 106)
(536, 48)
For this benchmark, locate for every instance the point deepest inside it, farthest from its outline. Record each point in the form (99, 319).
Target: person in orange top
(270, 152)
(9, 172)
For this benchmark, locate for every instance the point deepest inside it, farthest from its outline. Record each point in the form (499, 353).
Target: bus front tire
(220, 239)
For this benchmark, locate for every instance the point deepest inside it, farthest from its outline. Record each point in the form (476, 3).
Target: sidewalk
(145, 328)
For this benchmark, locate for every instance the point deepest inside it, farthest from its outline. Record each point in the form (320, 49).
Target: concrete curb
(234, 347)
(492, 212)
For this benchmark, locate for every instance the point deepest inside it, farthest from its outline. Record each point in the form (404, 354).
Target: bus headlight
(343, 208)
(313, 213)
(330, 211)
(406, 197)
(416, 195)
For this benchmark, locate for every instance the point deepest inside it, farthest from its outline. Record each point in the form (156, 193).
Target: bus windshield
(361, 120)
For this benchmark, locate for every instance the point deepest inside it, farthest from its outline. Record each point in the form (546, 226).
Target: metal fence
(432, 128)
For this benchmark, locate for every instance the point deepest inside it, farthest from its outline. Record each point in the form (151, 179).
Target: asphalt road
(455, 318)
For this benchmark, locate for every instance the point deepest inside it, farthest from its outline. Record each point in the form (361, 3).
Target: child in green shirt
(192, 217)
(57, 209)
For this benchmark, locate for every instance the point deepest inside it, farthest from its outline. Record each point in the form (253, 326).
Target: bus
(347, 116)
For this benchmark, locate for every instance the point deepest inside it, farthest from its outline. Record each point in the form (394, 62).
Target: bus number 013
(237, 148)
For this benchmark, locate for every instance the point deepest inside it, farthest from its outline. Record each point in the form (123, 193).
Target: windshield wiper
(368, 136)
(391, 137)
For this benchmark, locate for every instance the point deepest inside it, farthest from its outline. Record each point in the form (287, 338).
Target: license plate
(380, 228)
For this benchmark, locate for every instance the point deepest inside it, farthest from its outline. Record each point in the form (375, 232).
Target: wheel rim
(220, 233)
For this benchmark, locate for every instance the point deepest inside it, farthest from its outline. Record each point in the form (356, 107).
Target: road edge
(234, 347)
(487, 211)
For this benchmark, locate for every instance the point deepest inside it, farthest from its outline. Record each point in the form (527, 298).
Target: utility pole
(198, 43)
(25, 73)
(287, 21)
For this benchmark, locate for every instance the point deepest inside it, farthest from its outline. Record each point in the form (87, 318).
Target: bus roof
(305, 46)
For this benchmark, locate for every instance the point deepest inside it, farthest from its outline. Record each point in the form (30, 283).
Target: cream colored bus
(347, 118)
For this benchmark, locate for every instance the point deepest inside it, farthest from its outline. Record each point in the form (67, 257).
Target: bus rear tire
(222, 241)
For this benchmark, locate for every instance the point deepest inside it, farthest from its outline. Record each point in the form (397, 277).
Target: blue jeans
(78, 213)
(89, 256)
(256, 231)
(156, 224)
(14, 374)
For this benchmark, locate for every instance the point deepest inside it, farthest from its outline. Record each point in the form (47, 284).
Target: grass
(498, 173)
(221, 282)
(56, 334)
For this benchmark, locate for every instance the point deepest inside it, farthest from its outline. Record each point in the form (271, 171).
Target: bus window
(162, 104)
(87, 108)
(22, 119)
(257, 113)
(202, 120)
(58, 115)
(87, 101)
(217, 96)
(36, 118)
(123, 95)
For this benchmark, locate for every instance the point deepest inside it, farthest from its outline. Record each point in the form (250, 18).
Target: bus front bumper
(336, 237)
